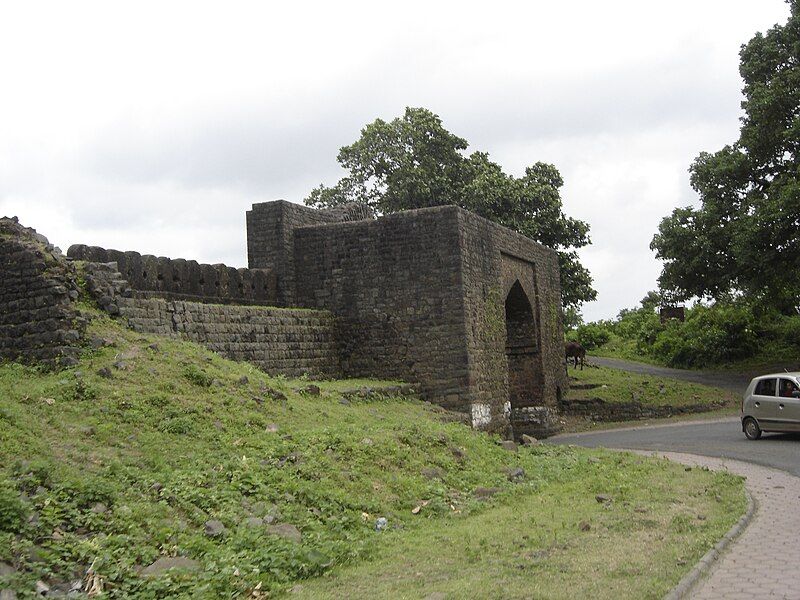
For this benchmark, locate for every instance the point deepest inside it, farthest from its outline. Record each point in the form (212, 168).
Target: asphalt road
(722, 438)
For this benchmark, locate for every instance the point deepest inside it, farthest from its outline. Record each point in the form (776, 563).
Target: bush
(787, 330)
(197, 376)
(593, 335)
(710, 336)
(12, 509)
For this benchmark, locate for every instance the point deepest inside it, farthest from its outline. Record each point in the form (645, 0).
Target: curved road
(764, 561)
(722, 438)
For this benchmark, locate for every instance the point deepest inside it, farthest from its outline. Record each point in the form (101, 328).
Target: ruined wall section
(179, 279)
(38, 320)
(278, 341)
(493, 259)
(394, 286)
(270, 237)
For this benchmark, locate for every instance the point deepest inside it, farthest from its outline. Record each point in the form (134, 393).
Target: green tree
(744, 239)
(414, 162)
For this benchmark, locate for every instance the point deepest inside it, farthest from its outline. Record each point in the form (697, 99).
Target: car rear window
(766, 387)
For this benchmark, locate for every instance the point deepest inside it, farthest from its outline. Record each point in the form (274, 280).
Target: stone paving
(764, 561)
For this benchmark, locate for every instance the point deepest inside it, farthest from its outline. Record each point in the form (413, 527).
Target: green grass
(531, 547)
(616, 386)
(115, 472)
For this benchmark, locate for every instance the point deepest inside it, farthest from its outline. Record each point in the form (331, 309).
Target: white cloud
(154, 126)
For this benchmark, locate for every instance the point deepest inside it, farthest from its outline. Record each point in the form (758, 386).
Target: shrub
(593, 335)
(197, 376)
(710, 335)
(12, 508)
(787, 330)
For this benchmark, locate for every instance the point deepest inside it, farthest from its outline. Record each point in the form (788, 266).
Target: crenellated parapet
(180, 279)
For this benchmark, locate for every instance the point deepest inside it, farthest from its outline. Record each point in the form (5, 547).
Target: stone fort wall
(468, 311)
(180, 279)
(421, 296)
(394, 285)
(270, 237)
(38, 320)
(515, 368)
(278, 341)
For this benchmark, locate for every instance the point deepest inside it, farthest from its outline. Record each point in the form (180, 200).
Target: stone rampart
(394, 286)
(38, 320)
(281, 341)
(512, 300)
(270, 237)
(467, 309)
(179, 279)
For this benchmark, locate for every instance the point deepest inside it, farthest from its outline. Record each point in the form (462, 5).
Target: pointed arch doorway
(525, 381)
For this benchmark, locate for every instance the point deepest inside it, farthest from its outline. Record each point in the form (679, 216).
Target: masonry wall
(270, 239)
(494, 258)
(179, 279)
(38, 322)
(395, 287)
(279, 341)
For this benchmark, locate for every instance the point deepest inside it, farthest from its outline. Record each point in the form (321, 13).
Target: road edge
(689, 581)
(711, 421)
(704, 565)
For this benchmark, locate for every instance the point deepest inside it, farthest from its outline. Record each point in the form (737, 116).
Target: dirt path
(728, 380)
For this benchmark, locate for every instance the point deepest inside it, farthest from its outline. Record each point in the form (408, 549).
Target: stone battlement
(180, 279)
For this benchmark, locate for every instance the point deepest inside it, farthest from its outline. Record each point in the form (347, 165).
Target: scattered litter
(422, 505)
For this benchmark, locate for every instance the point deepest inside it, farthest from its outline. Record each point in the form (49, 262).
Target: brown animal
(576, 352)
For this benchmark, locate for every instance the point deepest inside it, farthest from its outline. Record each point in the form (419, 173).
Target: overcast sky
(154, 126)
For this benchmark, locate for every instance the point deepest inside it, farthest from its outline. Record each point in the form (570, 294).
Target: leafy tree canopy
(414, 162)
(744, 239)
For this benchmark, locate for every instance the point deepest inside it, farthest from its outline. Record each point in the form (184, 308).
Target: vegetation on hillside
(557, 540)
(154, 453)
(714, 335)
(614, 386)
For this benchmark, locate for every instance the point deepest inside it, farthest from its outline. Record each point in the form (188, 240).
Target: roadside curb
(690, 580)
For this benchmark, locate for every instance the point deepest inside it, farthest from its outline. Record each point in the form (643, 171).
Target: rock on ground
(165, 563)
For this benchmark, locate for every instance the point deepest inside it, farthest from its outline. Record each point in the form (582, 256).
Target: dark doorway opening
(522, 350)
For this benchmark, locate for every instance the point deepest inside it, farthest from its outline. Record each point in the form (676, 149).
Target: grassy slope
(554, 540)
(621, 386)
(174, 439)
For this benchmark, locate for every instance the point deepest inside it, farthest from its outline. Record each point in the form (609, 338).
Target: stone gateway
(467, 310)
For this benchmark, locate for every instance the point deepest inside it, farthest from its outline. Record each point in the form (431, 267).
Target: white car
(771, 403)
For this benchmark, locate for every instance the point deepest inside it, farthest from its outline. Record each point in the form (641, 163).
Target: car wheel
(751, 429)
